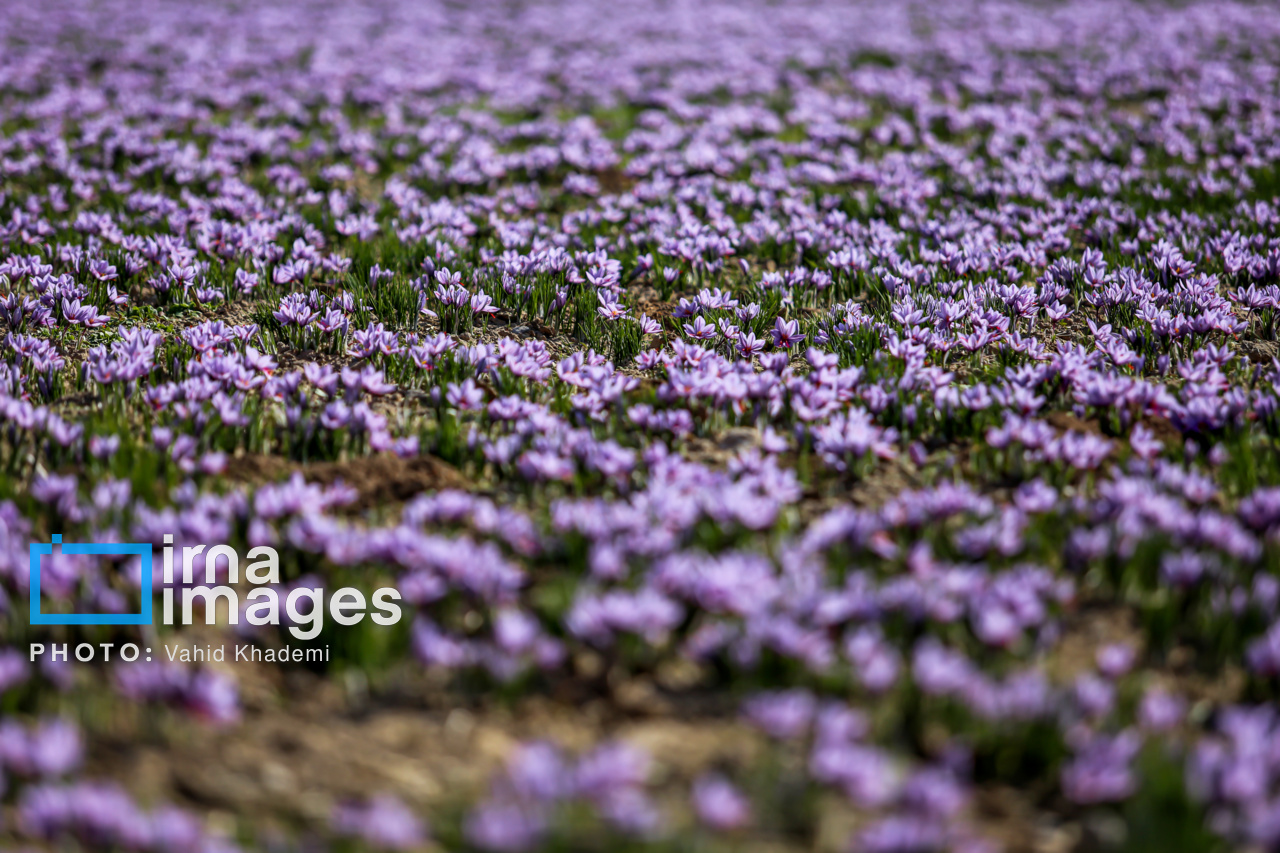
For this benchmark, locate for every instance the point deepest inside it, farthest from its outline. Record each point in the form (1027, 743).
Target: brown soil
(1162, 428)
(380, 480)
(305, 743)
(614, 181)
(1069, 422)
(1258, 350)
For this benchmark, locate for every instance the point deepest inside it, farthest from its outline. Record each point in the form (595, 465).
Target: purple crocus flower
(786, 333)
(383, 823)
(719, 805)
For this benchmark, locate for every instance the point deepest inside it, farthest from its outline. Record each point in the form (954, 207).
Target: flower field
(809, 426)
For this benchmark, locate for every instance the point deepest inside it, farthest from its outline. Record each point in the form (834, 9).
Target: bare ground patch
(379, 480)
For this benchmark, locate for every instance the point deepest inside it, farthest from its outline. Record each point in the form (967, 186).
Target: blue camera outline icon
(142, 550)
